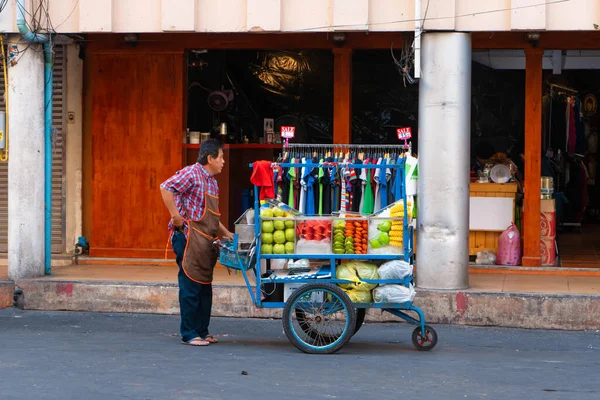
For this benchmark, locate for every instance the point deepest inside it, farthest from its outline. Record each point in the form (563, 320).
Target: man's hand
(224, 232)
(228, 235)
(177, 221)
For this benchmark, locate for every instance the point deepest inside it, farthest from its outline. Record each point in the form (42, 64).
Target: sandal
(211, 339)
(197, 341)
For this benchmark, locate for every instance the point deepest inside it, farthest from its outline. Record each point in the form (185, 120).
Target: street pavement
(66, 355)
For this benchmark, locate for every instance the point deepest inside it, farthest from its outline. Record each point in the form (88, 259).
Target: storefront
(154, 76)
(560, 122)
(137, 116)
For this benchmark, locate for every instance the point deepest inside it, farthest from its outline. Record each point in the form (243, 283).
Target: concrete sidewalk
(524, 301)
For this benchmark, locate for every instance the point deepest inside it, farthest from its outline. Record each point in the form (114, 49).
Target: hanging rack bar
(566, 88)
(344, 146)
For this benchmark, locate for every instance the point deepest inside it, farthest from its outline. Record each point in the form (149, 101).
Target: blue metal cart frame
(424, 336)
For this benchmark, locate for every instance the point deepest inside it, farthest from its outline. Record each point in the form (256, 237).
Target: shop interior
(570, 139)
(569, 159)
(254, 92)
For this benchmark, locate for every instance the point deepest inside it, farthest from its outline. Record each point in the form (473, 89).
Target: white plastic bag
(278, 264)
(302, 263)
(394, 294)
(395, 269)
(486, 257)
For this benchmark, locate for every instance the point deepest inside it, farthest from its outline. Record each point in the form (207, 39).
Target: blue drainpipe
(48, 83)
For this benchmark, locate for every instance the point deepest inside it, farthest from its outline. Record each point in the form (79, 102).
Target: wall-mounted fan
(218, 100)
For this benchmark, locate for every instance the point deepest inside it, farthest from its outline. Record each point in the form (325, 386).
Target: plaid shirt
(188, 186)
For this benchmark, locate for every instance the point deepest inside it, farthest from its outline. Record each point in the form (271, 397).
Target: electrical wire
(40, 23)
(3, 4)
(471, 14)
(407, 56)
(4, 152)
(68, 16)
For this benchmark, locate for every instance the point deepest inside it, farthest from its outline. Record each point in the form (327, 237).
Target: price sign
(288, 132)
(404, 133)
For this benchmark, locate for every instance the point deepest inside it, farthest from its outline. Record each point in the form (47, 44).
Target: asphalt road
(51, 355)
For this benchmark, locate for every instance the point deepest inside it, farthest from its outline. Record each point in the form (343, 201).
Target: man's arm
(169, 201)
(180, 183)
(224, 232)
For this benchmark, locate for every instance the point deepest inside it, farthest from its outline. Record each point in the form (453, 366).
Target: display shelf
(286, 279)
(334, 256)
(386, 306)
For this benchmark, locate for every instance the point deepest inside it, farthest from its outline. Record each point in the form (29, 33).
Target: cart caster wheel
(360, 319)
(318, 318)
(424, 343)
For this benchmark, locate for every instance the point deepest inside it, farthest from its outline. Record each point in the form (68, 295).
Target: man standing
(192, 198)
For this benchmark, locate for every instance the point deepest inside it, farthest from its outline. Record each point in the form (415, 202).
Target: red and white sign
(288, 132)
(404, 133)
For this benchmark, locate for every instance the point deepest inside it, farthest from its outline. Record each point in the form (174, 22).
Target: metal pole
(444, 148)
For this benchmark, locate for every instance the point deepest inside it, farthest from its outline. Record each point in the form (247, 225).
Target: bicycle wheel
(327, 319)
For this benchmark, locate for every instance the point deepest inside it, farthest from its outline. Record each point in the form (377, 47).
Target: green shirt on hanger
(319, 176)
(292, 175)
(368, 200)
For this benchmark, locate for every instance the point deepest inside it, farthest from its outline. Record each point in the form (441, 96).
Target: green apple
(289, 248)
(279, 225)
(384, 239)
(290, 234)
(278, 212)
(267, 227)
(266, 213)
(289, 224)
(279, 237)
(375, 243)
(266, 249)
(279, 249)
(267, 238)
(385, 226)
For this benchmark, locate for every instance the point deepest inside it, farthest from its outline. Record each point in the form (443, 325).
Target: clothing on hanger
(356, 184)
(303, 188)
(378, 174)
(291, 178)
(368, 198)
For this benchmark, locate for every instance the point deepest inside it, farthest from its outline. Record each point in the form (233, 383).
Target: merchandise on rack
(350, 234)
(278, 230)
(387, 229)
(325, 179)
(314, 236)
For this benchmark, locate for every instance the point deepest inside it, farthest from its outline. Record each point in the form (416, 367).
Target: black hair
(209, 148)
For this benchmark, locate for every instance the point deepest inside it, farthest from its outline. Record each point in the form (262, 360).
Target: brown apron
(201, 254)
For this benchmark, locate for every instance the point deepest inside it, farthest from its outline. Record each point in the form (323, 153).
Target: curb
(518, 310)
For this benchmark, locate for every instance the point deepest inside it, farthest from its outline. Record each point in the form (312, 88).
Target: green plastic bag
(356, 272)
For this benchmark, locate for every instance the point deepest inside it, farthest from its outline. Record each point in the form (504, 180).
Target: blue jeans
(195, 299)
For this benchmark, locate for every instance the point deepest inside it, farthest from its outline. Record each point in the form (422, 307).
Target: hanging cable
(4, 152)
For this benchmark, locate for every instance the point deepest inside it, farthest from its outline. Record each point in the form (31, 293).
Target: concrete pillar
(26, 163)
(74, 147)
(444, 148)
